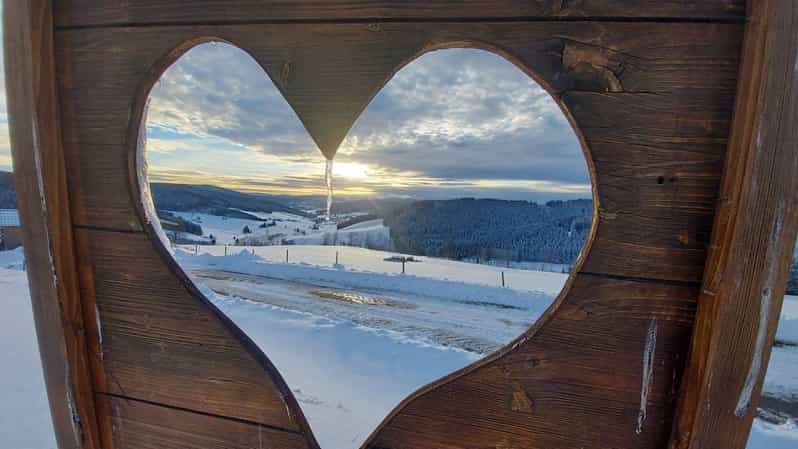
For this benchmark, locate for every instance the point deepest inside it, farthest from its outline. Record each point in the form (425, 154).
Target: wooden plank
(657, 160)
(162, 342)
(140, 425)
(642, 95)
(104, 13)
(329, 73)
(575, 380)
(753, 237)
(40, 183)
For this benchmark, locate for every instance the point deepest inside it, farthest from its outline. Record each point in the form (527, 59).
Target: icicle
(328, 178)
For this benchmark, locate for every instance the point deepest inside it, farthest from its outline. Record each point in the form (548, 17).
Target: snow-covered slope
(24, 412)
(787, 331)
(278, 225)
(351, 259)
(13, 259)
(368, 234)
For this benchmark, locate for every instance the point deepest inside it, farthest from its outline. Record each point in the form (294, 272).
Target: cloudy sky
(458, 122)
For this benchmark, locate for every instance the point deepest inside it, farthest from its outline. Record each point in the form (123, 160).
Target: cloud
(464, 113)
(218, 90)
(456, 121)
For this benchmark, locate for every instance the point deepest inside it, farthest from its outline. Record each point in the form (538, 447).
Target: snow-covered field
(370, 335)
(352, 260)
(367, 234)
(24, 412)
(227, 229)
(280, 227)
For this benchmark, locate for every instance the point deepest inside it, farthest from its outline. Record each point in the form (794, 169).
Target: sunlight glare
(351, 170)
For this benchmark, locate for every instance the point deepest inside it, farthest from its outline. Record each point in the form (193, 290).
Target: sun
(352, 170)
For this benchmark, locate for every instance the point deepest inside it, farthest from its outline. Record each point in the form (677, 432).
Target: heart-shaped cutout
(462, 199)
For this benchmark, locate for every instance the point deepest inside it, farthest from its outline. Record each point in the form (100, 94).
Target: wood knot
(374, 27)
(521, 402)
(596, 65)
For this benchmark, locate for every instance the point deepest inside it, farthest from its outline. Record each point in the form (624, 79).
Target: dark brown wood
(164, 345)
(146, 426)
(126, 12)
(40, 184)
(649, 86)
(578, 374)
(753, 237)
(635, 121)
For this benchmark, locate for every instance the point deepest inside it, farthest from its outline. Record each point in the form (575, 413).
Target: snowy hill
(371, 234)
(265, 228)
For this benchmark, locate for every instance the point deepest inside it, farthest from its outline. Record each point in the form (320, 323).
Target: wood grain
(635, 120)
(580, 372)
(651, 101)
(125, 12)
(147, 426)
(162, 344)
(40, 184)
(753, 236)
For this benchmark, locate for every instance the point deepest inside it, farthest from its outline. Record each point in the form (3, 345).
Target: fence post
(286, 255)
(336, 258)
(502, 279)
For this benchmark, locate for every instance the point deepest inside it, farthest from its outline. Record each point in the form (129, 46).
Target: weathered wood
(753, 236)
(40, 184)
(163, 343)
(104, 12)
(635, 116)
(574, 380)
(328, 96)
(651, 102)
(142, 425)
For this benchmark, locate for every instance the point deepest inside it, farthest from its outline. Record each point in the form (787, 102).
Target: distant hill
(214, 200)
(492, 229)
(181, 197)
(461, 228)
(8, 198)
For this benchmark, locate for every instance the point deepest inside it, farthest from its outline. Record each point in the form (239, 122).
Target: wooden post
(62, 324)
(753, 236)
(502, 279)
(286, 255)
(336, 258)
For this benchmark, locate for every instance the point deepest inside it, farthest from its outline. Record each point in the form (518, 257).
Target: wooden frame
(650, 86)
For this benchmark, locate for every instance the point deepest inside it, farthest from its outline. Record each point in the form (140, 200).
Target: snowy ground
(24, 413)
(278, 227)
(227, 229)
(370, 336)
(367, 234)
(352, 260)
